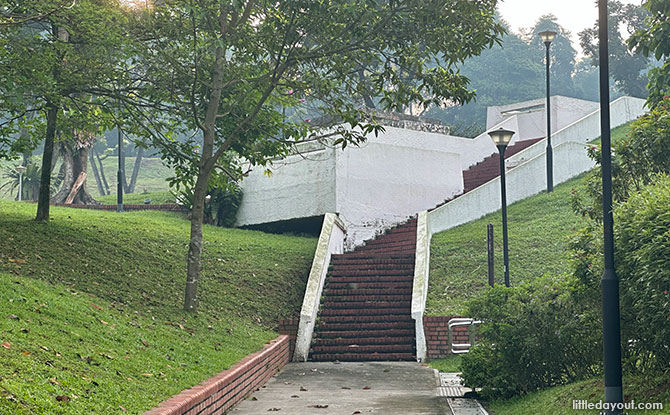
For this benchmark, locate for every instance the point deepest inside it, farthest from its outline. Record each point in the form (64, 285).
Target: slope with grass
(539, 230)
(91, 306)
(559, 400)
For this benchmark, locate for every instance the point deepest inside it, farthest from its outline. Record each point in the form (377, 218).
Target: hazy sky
(574, 15)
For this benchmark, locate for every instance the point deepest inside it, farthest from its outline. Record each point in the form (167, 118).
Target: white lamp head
(501, 137)
(547, 36)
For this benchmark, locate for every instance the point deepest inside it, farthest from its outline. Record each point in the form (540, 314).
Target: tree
(227, 68)
(53, 54)
(562, 54)
(627, 68)
(655, 40)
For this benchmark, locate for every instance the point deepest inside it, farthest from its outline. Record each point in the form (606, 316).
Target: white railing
(420, 285)
(331, 241)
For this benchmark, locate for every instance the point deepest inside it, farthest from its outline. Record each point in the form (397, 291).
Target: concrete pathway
(327, 388)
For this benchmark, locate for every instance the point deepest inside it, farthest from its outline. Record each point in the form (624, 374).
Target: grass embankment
(539, 228)
(151, 177)
(91, 306)
(158, 197)
(559, 400)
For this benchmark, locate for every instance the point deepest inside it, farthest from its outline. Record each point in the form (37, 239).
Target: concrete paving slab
(349, 388)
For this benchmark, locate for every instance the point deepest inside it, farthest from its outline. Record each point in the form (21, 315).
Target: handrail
(457, 348)
(331, 241)
(420, 284)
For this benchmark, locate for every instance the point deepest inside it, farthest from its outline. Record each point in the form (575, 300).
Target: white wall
(527, 179)
(301, 186)
(587, 128)
(392, 177)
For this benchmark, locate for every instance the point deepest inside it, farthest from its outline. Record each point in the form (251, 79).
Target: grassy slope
(539, 228)
(158, 197)
(151, 177)
(558, 400)
(132, 266)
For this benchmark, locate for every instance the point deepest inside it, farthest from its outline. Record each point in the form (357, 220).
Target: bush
(532, 337)
(642, 232)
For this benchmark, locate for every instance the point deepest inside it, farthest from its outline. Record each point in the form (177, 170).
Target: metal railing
(457, 348)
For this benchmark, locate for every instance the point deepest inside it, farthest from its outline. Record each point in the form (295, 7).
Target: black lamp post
(501, 139)
(610, 280)
(547, 37)
(119, 173)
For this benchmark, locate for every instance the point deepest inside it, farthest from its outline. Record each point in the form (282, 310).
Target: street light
(547, 37)
(21, 169)
(610, 280)
(501, 139)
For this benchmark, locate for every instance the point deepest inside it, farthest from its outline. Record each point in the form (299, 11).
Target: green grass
(558, 400)
(56, 276)
(450, 363)
(616, 133)
(151, 177)
(539, 228)
(139, 198)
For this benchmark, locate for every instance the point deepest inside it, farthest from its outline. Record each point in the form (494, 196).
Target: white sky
(574, 15)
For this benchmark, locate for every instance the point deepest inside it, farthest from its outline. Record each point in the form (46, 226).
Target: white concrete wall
(527, 179)
(392, 177)
(331, 241)
(587, 128)
(300, 186)
(564, 111)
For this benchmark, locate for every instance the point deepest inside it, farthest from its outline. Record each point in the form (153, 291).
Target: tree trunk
(47, 159)
(75, 162)
(195, 244)
(102, 171)
(98, 181)
(136, 170)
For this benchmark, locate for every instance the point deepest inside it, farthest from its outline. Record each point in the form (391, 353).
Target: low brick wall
(165, 207)
(219, 393)
(289, 327)
(436, 329)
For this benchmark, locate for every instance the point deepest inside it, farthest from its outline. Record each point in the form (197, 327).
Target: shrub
(532, 336)
(642, 232)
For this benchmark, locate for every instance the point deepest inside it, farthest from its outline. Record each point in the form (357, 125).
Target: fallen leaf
(104, 322)
(94, 305)
(20, 261)
(356, 412)
(253, 398)
(318, 406)
(295, 396)
(125, 410)
(24, 330)
(46, 349)
(144, 342)
(6, 345)
(345, 387)
(62, 398)
(13, 317)
(25, 353)
(303, 389)
(54, 381)
(366, 388)
(147, 374)
(274, 409)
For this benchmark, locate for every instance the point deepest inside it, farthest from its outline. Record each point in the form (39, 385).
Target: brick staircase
(489, 168)
(366, 302)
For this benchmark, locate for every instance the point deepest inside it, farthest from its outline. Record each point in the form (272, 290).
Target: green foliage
(31, 181)
(56, 53)
(222, 204)
(532, 336)
(655, 40)
(628, 69)
(642, 235)
(131, 265)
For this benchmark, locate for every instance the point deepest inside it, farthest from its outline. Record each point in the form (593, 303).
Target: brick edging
(219, 393)
(165, 207)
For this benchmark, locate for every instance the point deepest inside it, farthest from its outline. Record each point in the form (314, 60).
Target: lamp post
(610, 280)
(501, 139)
(119, 173)
(21, 169)
(547, 37)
